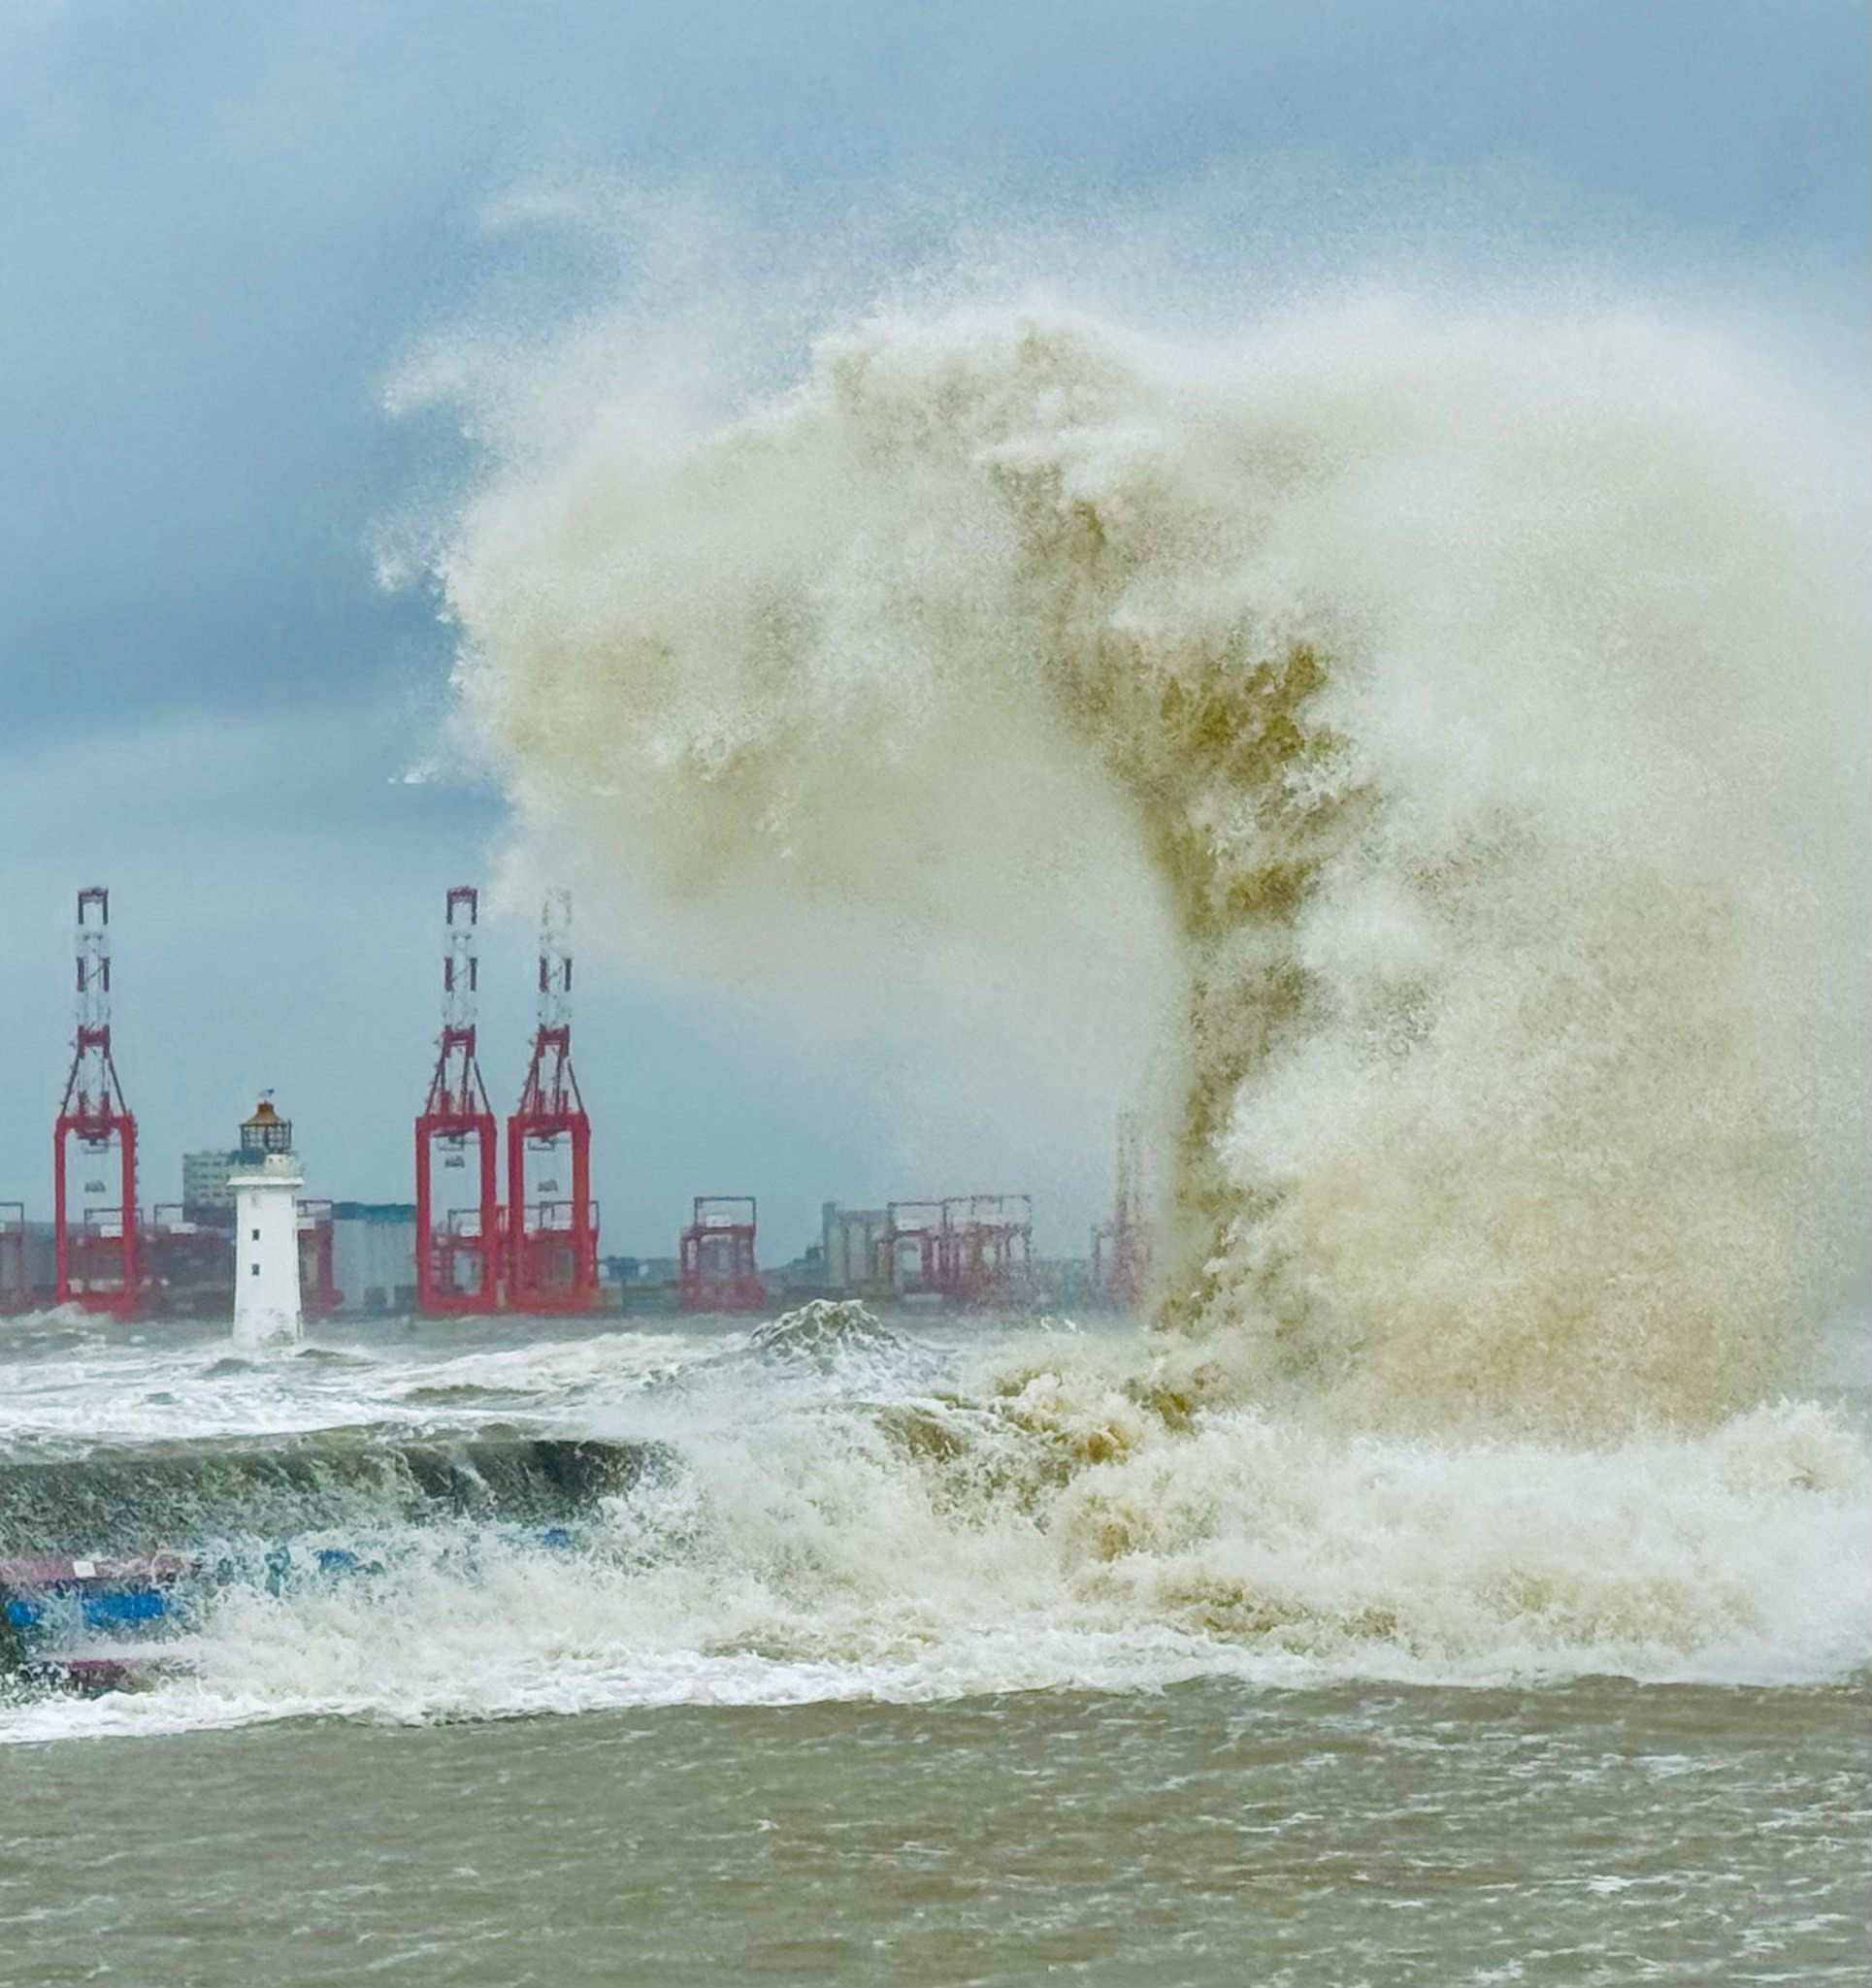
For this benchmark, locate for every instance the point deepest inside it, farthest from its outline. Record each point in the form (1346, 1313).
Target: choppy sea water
(924, 1654)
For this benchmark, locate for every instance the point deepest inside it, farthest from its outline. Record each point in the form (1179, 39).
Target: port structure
(969, 1248)
(910, 1249)
(187, 1267)
(988, 1248)
(552, 1221)
(95, 1263)
(1122, 1247)
(716, 1269)
(318, 1293)
(459, 1249)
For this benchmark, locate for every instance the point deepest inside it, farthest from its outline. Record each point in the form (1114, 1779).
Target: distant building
(804, 1276)
(206, 1197)
(28, 1263)
(638, 1284)
(1066, 1281)
(849, 1239)
(373, 1255)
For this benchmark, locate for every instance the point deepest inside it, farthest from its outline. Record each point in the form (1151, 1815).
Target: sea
(893, 1650)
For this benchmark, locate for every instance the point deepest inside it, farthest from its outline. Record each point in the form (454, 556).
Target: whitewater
(1458, 705)
(835, 1511)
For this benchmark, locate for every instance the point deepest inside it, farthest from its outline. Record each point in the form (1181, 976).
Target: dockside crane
(459, 1249)
(95, 1263)
(551, 1218)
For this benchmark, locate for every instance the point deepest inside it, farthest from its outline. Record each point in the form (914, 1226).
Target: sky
(227, 231)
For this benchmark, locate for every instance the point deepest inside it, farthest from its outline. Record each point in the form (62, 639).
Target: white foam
(111, 1391)
(808, 1543)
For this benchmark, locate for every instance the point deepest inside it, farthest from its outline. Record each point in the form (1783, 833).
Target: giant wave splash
(1471, 687)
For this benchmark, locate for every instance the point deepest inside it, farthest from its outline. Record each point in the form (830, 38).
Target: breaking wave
(959, 1515)
(1475, 693)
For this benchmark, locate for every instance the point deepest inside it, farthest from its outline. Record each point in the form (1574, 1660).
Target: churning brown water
(1592, 1832)
(930, 1657)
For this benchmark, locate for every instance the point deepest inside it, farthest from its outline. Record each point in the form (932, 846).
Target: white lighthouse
(266, 1233)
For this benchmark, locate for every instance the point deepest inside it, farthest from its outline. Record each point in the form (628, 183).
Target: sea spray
(1473, 688)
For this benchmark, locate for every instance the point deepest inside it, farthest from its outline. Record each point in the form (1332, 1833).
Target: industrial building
(849, 1239)
(206, 1197)
(374, 1256)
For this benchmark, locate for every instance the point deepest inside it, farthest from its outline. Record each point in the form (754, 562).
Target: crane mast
(96, 1259)
(552, 1221)
(459, 1249)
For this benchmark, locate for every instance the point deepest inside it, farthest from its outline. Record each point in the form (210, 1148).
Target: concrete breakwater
(163, 1497)
(104, 1558)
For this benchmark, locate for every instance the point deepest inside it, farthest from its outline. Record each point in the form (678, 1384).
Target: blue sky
(224, 229)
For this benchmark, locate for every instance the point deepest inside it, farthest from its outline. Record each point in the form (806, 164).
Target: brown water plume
(1476, 689)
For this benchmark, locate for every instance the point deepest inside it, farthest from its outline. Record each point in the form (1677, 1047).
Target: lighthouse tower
(266, 1233)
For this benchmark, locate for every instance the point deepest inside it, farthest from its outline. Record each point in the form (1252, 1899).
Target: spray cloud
(1460, 691)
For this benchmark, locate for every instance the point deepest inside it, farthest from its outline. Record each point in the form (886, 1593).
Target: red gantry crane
(552, 1221)
(988, 1248)
(716, 1269)
(459, 1249)
(95, 1263)
(910, 1249)
(968, 1248)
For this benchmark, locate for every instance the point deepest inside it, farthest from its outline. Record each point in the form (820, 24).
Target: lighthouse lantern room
(266, 1187)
